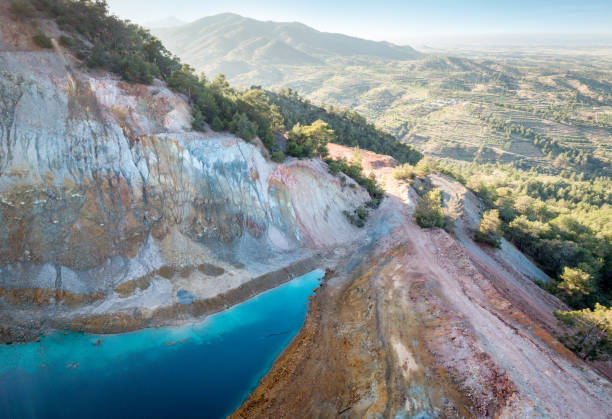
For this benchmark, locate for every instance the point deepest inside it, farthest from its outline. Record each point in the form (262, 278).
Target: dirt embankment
(416, 324)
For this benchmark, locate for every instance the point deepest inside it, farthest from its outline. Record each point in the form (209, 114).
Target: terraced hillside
(460, 105)
(441, 105)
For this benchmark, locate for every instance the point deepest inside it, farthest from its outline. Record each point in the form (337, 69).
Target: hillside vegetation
(351, 128)
(104, 41)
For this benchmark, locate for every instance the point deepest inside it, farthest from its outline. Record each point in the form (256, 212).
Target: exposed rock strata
(110, 205)
(417, 324)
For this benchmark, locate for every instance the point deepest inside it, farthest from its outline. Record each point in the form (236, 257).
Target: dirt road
(416, 322)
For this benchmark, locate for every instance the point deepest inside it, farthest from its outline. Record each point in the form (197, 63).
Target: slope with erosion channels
(114, 215)
(421, 323)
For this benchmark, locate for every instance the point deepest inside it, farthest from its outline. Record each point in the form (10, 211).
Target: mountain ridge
(235, 44)
(167, 22)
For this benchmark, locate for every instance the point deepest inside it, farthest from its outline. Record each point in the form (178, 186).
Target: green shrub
(548, 286)
(98, 57)
(134, 68)
(278, 156)
(362, 213)
(268, 140)
(242, 127)
(66, 41)
(21, 8)
(42, 40)
(428, 212)
(310, 140)
(589, 332)
(61, 20)
(575, 287)
(425, 166)
(350, 128)
(489, 231)
(199, 122)
(354, 218)
(217, 124)
(404, 172)
(355, 172)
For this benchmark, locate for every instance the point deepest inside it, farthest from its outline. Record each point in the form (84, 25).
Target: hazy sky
(395, 20)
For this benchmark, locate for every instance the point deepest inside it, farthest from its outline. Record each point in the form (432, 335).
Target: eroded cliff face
(114, 216)
(110, 205)
(423, 323)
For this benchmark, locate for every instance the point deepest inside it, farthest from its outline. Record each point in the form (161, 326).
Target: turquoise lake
(203, 370)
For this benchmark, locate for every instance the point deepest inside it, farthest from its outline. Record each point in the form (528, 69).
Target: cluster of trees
(246, 113)
(564, 157)
(42, 40)
(310, 140)
(564, 224)
(429, 212)
(354, 170)
(21, 8)
(489, 230)
(557, 113)
(358, 217)
(350, 128)
(560, 113)
(590, 333)
(405, 172)
(408, 172)
(601, 88)
(104, 40)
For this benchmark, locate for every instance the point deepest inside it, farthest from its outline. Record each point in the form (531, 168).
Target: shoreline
(172, 315)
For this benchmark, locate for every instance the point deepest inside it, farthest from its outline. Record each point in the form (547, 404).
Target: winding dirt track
(418, 323)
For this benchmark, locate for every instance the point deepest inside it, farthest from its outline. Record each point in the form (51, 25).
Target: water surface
(200, 370)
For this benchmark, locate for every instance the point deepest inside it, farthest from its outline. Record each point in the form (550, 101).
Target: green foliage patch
(429, 213)
(42, 40)
(350, 128)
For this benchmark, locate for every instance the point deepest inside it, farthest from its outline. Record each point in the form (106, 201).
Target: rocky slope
(418, 324)
(115, 215)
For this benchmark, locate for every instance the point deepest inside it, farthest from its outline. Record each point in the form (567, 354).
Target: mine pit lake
(203, 370)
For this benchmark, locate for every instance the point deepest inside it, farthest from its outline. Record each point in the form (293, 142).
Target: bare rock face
(424, 324)
(103, 183)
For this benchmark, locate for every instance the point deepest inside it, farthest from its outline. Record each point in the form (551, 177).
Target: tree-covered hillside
(102, 40)
(351, 128)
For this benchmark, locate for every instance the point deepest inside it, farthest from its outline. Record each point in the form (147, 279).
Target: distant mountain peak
(236, 44)
(168, 22)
